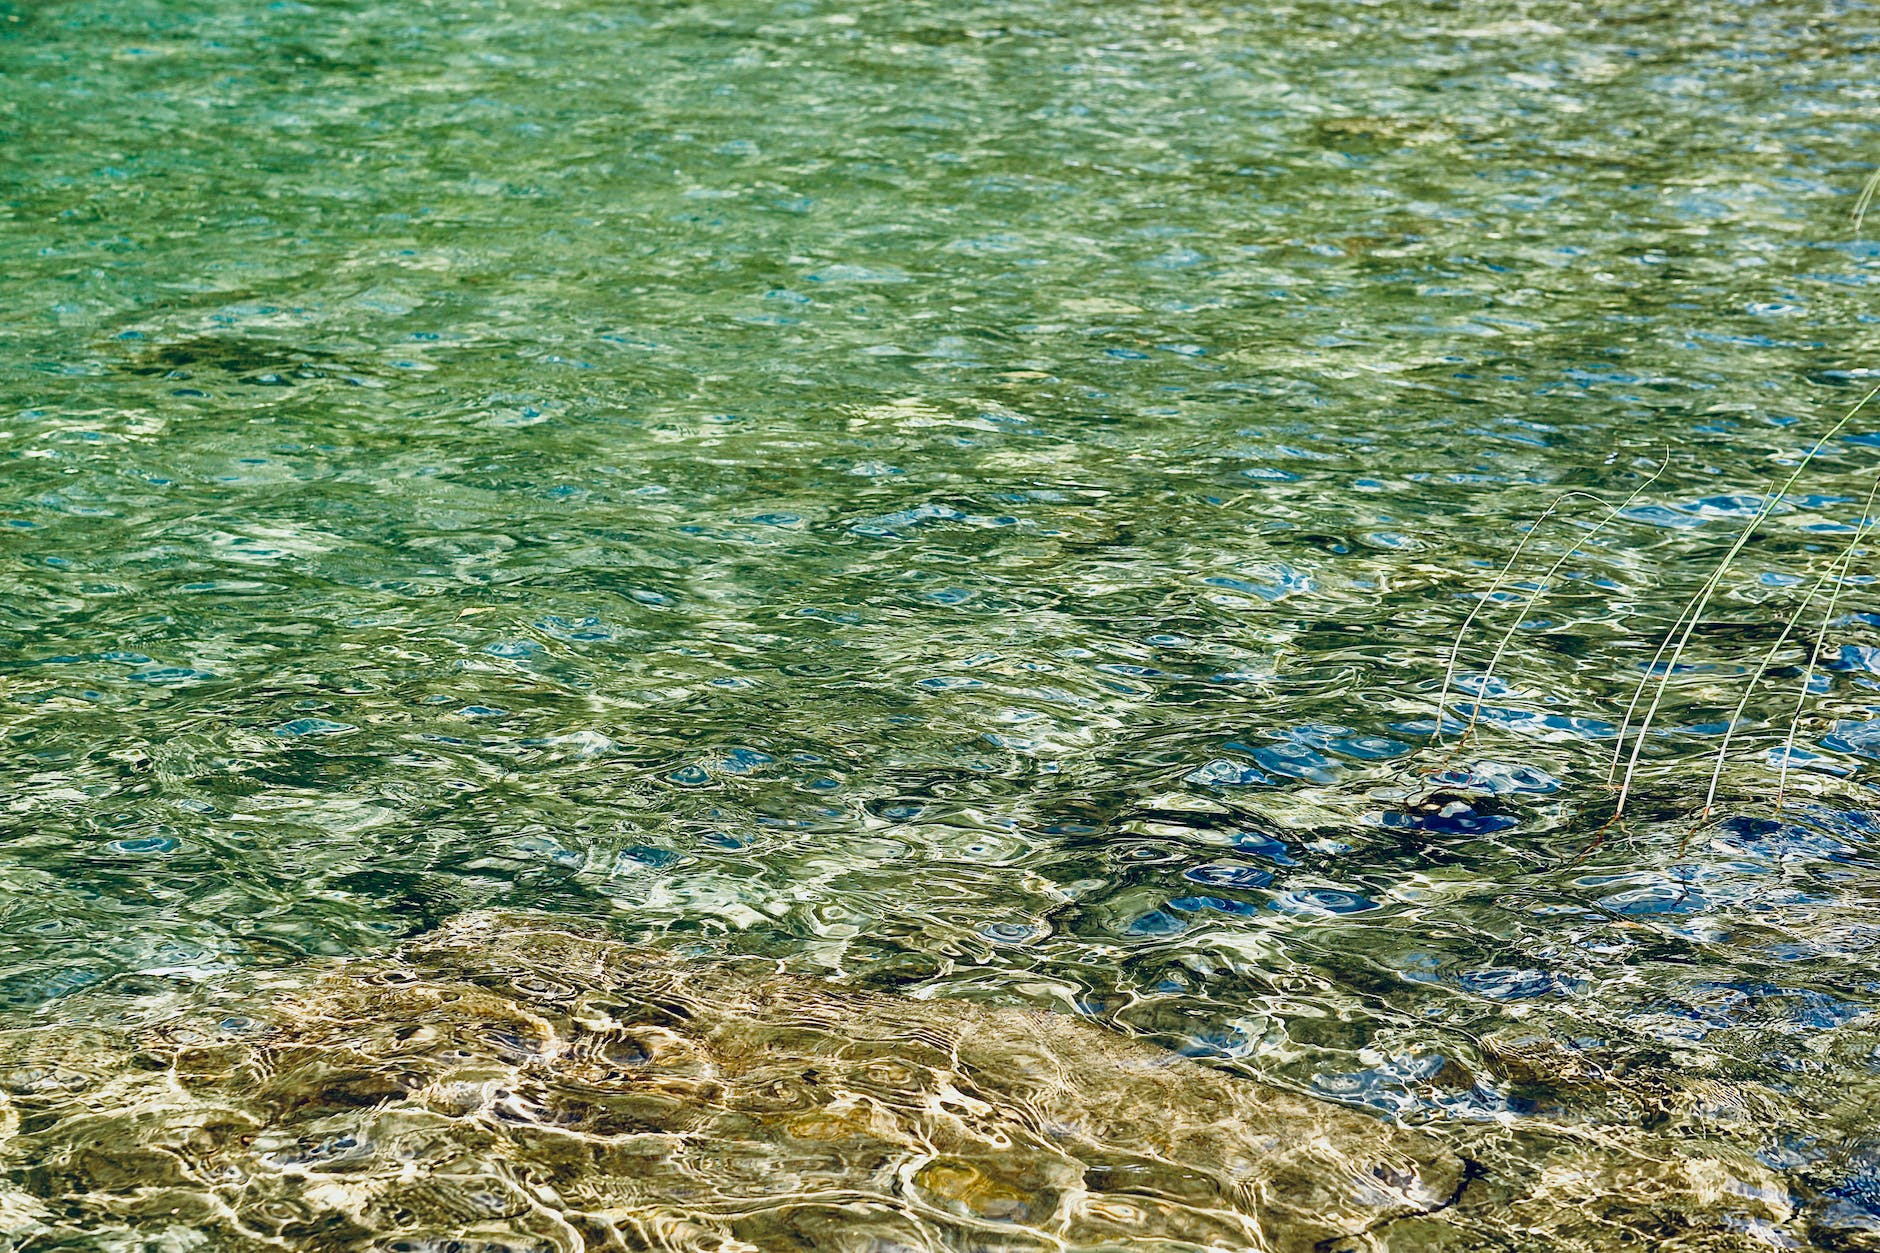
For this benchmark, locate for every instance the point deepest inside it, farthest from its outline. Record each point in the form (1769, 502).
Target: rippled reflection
(511, 1086)
(975, 500)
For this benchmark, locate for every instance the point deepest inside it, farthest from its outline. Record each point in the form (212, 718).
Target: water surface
(972, 499)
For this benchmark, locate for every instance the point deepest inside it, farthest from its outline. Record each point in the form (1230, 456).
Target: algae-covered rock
(505, 1085)
(1553, 1191)
(1614, 1154)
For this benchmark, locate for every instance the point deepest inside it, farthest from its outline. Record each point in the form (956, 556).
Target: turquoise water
(976, 499)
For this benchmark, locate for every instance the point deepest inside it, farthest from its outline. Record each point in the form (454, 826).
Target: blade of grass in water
(1835, 573)
(1494, 590)
(1611, 515)
(1866, 201)
(1827, 618)
(1694, 610)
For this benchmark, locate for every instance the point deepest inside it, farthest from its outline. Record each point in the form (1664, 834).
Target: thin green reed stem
(1836, 569)
(1612, 515)
(1821, 636)
(1455, 649)
(1866, 201)
(1695, 611)
(1651, 668)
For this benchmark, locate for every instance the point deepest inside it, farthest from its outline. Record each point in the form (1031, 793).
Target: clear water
(976, 500)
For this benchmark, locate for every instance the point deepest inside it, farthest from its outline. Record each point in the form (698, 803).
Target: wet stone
(507, 1084)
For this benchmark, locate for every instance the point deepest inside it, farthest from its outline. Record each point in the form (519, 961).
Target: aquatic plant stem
(1835, 570)
(1827, 619)
(1736, 715)
(1865, 201)
(1507, 637)
(1651, 668)
(1494, 589)
(1694, 611)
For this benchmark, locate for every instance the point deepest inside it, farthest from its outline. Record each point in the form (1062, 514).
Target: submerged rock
(505, 1085)
(1616, 1154)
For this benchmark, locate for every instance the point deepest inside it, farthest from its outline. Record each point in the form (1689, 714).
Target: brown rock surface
(504, 1085)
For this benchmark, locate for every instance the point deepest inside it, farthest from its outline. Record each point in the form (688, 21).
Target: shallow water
(974, 500)
(510, 1084)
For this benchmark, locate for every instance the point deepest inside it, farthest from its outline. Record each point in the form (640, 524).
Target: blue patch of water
(1222, 874)
(1322, 902)
(1261, 845)
(1498, 778)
